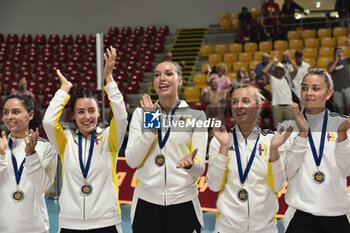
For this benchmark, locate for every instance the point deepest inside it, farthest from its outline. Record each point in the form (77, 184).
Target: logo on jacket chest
(98, 140)
(262, 150)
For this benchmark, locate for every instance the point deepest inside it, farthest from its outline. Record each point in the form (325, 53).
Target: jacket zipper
(84, 217)
(165, 170)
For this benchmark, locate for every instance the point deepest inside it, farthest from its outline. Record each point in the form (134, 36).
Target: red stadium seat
(138, 73)
(92, 39)
(143, 47)
(113, 31)
(12, 39)
(54, 39)
(126, 31)
(25, 66)
(33, 57)
(13, 86)
(8, 76)
(146, 66)
(26, 39)
(158, 48)
(49, 87)
(2, 38)
(132, 87)
(164, 30)
(107, 40)
(56, 66)
(74, 76)
(131, 65)
(139, 30)
(17, 57)
(34, 87)
(46, 100)
(151, 30)
(133, 40)
(41, 76)
(40, 66)
(146, 38)
(67, 39)
(40, 39)
(80, 39)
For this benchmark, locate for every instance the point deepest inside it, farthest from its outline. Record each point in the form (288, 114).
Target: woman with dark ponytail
(27, 168)
(89, 195)
(317, 161)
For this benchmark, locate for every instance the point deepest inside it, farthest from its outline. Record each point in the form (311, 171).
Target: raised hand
(147, 105)
(65, 84)
(109, 58)
(31, 141)
(343, 128)
(279, 138)
(187, 161)
(3, 143)
(222, 136)
(302, 123)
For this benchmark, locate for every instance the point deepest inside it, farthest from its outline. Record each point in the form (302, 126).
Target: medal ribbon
(18, 172)
(85, 170)
(243, 176)
(323, 138)
(160, 141)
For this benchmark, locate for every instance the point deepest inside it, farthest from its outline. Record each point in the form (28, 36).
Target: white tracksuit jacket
(30, 214)
(264, 180)
(330, 198)
(167, 185)
(101, 208)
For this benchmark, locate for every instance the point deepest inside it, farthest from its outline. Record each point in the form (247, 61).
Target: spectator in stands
(288, 63)
(278, 32)
(215, 99)
(22, 89)
(245, 17)
(270, 11)
(282, 101)
(244, 34)
(343, 9)
(168, 56)
(224, 82)
(289, 8)
(339, 68)
(259, 68)
(256, 32)
(303, 69)
(241, 77)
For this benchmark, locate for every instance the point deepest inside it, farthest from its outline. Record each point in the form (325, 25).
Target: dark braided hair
(83, 93)
(29, 104)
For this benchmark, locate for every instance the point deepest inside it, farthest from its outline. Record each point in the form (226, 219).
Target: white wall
(90, 16)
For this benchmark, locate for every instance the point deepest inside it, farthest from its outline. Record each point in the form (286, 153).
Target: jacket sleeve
(3, 163)
(217, 167)
(41, 169)
(295, 149)
(139, 141)
(278, 175)
(52, 126)
(199, 141)
(342, 155)
(119, 121)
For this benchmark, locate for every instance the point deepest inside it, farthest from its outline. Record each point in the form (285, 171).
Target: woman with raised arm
(168, 160)
(317, 161)
(89, 195)
(246, 168)
(27, 168)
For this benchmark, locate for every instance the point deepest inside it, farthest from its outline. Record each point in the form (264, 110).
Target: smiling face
(315, 93)
(86, 114)
(16, 117)
(166, 80)
(244, 106)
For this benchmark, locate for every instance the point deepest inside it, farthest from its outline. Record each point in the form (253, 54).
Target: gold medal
(319, 177)
(86, 189)
(18, 196)
(242, 194)
(159, 160)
